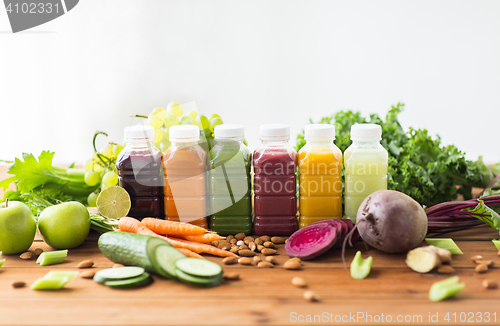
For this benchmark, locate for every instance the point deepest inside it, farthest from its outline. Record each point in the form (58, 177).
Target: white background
(252, 62)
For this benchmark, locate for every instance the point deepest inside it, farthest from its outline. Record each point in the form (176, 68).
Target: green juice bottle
(230, 182)
(365, 163)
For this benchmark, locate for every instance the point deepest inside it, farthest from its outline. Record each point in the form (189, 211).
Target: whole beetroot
(391, 221)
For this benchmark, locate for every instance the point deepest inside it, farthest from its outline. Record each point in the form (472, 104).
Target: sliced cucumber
(198, 267)
(166, 256)
(132, 250)
(199, 281)
(141, 280)
(119, 273)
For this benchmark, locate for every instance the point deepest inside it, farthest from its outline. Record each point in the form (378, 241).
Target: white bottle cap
(320, 132)
(184, 134)
(139, 134)
(229, 131)
(275, 131)
(366, 132)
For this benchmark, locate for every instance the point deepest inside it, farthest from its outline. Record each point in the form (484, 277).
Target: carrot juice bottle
(275, 183)
(184, 169)
(230, 182)
(139, 172)
(365, 163)
(320, 181)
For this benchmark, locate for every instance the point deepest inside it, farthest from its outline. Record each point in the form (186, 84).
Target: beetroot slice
(312, 240)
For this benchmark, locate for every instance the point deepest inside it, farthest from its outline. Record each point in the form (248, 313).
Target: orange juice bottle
(320, 182)
(184, 168)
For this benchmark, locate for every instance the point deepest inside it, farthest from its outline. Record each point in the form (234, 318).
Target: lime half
(113, 202)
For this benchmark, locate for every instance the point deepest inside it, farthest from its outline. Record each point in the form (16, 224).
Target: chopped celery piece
(1, 262)
(360, 268)
(52, 257)
(447, 244)
(61, 274)
(445, 289)
(496, 243)
(53, 280)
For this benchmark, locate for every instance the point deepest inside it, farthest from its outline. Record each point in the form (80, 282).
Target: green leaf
(485, 214)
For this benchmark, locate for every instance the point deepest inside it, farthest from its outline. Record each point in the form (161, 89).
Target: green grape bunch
(101, 168)
(162, 119)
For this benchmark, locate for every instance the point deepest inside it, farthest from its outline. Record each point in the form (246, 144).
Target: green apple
(17, 227)
(64, 226)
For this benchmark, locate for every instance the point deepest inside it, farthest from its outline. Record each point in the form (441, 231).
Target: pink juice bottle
(275, 184)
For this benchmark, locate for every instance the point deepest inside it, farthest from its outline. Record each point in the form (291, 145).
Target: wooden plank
(172, 311)
(382, 284)
(332, 259)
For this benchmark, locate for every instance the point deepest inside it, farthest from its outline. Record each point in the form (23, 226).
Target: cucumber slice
(166, 256)
(119, 273)
(199, 281)
(198, 267)
(134, 282)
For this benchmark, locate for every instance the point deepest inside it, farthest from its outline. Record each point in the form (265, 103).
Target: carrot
(129, 224)
(203, 238)
(200, 247)
(172, 227)
(190, 253)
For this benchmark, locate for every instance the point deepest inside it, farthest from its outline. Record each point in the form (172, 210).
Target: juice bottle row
(213, 188)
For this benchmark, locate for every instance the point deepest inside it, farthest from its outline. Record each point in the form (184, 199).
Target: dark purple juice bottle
(139, 172)
(275, 184)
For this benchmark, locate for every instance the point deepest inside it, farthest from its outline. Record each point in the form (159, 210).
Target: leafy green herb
(419, 165)
(40, 184)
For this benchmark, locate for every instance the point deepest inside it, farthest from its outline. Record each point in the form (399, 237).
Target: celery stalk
(447, 244)
(52, 257)
(445, 289)
(496, 243)
(360, 268)
(53, 280)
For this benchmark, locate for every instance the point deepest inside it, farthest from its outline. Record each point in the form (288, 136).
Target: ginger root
(425, 259)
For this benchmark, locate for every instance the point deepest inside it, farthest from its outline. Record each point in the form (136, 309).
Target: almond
(86, 264)
(245, 261)
(18, 284)
(299, 282)
(232, 276)
(240, 236)
(265, 264)
(26, 255)
(277, 240)
(230, 260)
(87, 274)
(268, 251)
(481, 268)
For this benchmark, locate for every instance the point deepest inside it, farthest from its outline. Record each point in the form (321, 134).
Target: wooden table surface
(392, 294)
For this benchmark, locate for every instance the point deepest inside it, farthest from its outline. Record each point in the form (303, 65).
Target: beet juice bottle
(139, 172)
(275, 183)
